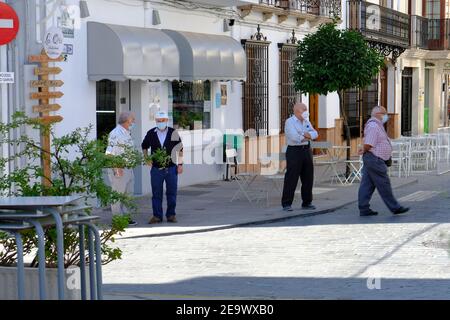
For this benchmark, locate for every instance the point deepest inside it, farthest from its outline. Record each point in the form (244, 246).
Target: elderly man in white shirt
(121, 178)
(299, 132)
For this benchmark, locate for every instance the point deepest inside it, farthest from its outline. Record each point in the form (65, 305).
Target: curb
(259, 222)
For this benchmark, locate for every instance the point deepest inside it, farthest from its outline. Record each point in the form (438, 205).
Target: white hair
(376, 110)
(124, 116)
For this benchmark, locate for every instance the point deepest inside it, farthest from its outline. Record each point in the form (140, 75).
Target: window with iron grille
(358, 105)
(288, 95)
(256, 89)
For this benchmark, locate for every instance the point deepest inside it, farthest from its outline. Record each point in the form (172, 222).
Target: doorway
(406, 121)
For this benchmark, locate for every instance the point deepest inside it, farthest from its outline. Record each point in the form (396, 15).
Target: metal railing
(430, 34)
(438, 34)
(419, 32)
(378, 23)
(326, 8)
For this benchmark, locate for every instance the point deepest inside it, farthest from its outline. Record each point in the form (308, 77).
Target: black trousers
(299, 164)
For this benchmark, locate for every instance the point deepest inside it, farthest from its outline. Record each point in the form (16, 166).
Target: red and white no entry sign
(9, 24)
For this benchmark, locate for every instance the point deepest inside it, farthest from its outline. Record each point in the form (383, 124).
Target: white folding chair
(328, 158)
(243, 179)
(355, 170)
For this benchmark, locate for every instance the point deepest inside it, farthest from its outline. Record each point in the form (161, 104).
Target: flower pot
(8, 283)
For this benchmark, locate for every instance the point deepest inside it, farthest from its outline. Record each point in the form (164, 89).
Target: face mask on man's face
(132, 125)
(305, 115)
(162, 125)
(385, 118)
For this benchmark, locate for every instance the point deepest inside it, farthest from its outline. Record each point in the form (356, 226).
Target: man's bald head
(299, 108)
(379, 112)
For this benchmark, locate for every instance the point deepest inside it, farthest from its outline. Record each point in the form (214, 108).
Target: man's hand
(360, 151)
(180, 169)
(118, 172)
(307, 136)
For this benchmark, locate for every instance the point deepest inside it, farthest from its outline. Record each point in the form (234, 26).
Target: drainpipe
(146, 13)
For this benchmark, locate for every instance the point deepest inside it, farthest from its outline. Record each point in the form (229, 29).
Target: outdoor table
(22, 213)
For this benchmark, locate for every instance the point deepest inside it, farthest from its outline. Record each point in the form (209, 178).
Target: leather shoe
(401, 210)
(367, 214)
(172, 219)
(308, 207)
(288, 208)
(154, 220)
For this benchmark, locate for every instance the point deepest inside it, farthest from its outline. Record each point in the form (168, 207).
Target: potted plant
(77, 169)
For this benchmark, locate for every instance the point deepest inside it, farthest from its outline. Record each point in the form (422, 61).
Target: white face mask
(305, 115)
(385, 118)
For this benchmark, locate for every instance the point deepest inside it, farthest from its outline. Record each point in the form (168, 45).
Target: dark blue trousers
(158, 177)
(374, 175)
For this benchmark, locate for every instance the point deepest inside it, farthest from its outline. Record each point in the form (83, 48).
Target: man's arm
(178, 151)
(145, 146)
(312, 133)
(369, 139)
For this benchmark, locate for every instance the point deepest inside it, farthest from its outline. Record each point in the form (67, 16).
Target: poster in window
(223, 94)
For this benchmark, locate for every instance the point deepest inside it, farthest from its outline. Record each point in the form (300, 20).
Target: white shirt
(294, 130)
(117, 139)
(162, 136)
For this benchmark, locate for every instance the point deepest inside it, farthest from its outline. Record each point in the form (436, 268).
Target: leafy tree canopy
(333, 60)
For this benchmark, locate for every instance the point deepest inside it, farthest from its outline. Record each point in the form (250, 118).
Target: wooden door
(314, 110)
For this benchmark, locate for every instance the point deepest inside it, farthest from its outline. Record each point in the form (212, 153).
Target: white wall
(79, 101)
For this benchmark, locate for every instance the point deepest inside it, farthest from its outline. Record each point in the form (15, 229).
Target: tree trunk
(346, 129)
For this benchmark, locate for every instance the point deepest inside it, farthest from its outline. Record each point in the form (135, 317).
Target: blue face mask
(161, 125)
(133, 125)
(385, 118)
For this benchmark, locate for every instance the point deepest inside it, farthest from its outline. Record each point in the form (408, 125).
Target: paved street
(328, 256)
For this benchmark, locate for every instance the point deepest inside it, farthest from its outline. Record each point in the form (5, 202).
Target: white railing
(443, 150)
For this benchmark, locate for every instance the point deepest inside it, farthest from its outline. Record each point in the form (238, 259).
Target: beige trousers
(122, 184)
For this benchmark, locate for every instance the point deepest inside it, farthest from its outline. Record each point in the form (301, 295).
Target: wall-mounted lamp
(84, 10)
(156, 18)
(227, 23)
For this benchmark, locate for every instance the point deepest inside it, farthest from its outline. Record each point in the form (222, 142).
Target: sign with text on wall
(6, 77)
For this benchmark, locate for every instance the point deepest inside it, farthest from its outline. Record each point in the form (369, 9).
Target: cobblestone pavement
(338, 255)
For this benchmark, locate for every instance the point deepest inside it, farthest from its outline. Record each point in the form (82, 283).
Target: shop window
(191, 105)
(106, 107)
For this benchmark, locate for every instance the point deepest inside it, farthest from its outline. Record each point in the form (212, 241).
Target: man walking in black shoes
(376, 154)
(299, 133)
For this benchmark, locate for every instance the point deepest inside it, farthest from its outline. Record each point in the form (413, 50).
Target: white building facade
(193, 59)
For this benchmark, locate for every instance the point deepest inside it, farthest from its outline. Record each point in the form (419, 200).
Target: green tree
(77, 164)
(333, 60)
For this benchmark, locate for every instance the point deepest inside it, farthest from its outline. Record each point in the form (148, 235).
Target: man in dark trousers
(299, 132)
(164, 137)
(376, 153)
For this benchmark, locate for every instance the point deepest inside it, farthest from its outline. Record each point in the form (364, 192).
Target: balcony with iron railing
(313, 11)
(325, 8)
(430, 34)
(379, 24)
(419, 32)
